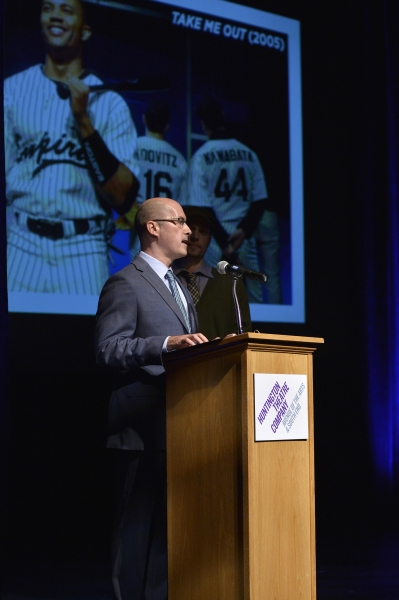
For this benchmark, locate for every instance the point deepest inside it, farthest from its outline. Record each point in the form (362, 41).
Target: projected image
(195, 101)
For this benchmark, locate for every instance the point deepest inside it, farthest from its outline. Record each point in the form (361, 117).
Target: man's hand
(234, 242)
(121, 188)
(79, 99)
(177, 342)
(237, 238)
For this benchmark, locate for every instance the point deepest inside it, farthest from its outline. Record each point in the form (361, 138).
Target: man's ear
(152, 228)
(86, 33)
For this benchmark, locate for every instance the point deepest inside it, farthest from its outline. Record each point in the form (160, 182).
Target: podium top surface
(243, 341)
(279, 338)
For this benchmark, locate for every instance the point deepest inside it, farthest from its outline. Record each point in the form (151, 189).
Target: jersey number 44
(224, 189)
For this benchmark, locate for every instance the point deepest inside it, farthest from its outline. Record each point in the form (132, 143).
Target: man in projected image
(163, 169)
(143, 313)
(226, 177)
(211, 291)
(68, 163)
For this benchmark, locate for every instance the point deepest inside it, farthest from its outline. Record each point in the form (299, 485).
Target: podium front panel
(240, 512)
(279, 495)
(204, 481)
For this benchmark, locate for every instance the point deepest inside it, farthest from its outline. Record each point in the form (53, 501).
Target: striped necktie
(176, 295)
(192, 285)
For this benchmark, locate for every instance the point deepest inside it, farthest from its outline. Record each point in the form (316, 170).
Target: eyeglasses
(179, 221)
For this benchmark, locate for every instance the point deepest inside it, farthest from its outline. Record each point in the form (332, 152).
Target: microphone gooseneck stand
(223, 267)
(236, 304)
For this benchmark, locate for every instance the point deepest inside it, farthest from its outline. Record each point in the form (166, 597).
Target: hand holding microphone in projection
(140, 84)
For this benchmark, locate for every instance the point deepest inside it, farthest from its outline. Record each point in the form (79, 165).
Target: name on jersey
(227, 156)
(68, 151)
(156, 156)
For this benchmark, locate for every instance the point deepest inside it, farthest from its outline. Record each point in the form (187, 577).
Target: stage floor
(368, 573)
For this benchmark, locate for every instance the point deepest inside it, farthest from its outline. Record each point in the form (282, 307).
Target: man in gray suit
(143, 313)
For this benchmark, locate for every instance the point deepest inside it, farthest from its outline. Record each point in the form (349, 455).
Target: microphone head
(221, 267)
(63, 90)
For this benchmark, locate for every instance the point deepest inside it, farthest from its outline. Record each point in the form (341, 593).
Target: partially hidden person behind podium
(211, 292)
(138, 320)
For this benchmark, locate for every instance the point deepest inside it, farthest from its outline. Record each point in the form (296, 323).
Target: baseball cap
(196, 212)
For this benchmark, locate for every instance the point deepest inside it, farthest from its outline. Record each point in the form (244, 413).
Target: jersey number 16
(155, 186)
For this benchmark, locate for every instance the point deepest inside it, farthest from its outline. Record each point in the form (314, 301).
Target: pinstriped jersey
(46, 171)
(163, 170)
(227, 176)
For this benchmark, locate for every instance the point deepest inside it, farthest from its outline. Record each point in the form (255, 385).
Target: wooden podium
(241, 518)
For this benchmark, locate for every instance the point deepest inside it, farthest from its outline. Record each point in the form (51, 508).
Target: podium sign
(281, 407)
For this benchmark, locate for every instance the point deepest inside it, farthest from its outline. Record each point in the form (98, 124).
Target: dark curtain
(3, 324)
(378, 201)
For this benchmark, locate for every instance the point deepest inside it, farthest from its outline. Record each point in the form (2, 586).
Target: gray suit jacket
(136, 312)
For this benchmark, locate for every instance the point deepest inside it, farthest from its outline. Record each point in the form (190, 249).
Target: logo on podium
(281, 407)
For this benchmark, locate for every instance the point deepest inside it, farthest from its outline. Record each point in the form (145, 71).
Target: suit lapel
(155, 281)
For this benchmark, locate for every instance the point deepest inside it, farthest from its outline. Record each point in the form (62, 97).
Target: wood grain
(240, 512)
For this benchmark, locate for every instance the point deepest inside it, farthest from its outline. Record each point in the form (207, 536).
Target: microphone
(223, 267)
(142, 84)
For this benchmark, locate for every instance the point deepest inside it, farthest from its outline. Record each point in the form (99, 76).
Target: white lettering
(212, 26)
(189, 21)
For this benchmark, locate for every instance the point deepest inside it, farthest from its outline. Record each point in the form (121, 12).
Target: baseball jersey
(226, 176)
(163, 170)
(46, 172)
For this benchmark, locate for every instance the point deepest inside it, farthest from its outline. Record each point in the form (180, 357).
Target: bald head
(160, 233)
(154, 208)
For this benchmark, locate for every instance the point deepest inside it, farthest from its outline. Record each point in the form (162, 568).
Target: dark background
(58, 474)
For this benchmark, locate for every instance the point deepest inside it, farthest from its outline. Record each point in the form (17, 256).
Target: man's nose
(56, 14)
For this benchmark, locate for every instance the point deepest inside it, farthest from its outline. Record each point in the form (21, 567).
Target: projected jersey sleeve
(118, 130)
(9, 146)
